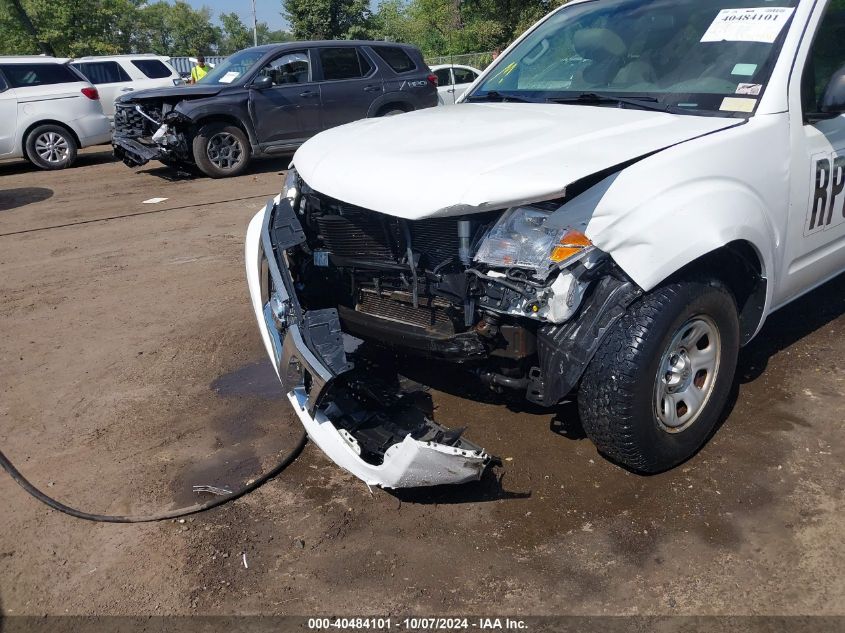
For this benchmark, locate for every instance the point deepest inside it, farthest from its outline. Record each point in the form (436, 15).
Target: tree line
(438, 27)
(73, 28)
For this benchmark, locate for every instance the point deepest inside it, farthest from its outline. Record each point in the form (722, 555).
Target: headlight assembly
(291, 188)
(520, 239)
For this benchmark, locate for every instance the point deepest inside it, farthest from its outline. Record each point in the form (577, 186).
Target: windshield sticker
(744, 70)
(749, 89)
(229, 77)
(748, 25)
(734, 104)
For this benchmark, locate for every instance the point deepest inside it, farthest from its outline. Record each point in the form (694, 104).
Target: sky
(269, 11)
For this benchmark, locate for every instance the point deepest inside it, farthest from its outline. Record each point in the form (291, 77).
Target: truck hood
(479, 157)
(181, 92)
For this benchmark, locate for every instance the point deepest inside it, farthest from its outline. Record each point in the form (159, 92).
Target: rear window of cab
(396, 58)
(28, 75)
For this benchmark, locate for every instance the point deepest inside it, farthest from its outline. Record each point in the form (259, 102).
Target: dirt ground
(131, 369)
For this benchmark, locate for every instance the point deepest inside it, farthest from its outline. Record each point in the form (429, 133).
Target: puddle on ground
(256, 379)
(228, 468)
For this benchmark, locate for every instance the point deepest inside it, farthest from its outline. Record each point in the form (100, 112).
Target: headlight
(520, 239)
(291, 188)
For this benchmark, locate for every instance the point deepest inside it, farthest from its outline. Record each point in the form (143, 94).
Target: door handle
(127, 89)
(451, 90)
(308, 94)
(372, 89)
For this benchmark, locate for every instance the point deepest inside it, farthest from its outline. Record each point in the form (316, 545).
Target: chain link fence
(476, 60)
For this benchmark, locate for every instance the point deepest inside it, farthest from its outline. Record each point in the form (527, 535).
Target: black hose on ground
(165, 516)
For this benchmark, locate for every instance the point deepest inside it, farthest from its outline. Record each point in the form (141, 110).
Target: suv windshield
(234, 68)
(700, 56)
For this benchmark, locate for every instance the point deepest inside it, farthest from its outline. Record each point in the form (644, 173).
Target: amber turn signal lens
(575, 238)
(570, 244)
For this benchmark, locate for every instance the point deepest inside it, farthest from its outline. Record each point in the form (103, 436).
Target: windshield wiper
(499, 97)
(592, 98)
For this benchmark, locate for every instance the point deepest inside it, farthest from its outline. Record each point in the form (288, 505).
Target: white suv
(49, 111)
(116, 75)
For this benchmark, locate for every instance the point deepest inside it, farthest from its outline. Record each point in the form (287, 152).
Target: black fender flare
(390, 98)
(200, 113)
(564, 351)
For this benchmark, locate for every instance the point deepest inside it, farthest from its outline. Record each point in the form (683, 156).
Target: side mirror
(262, 83)
(833, 99)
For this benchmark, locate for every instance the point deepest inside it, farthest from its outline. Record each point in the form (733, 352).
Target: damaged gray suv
(268, 100)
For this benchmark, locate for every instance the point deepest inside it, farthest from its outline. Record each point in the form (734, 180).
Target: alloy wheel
(52, 147)
(225, 151)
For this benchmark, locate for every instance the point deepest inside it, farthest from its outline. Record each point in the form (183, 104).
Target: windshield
(700, 56)
(233, 69)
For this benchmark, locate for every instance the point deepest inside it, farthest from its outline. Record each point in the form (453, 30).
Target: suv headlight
(520, 239)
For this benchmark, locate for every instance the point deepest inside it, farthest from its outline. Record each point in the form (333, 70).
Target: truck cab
(623, 198)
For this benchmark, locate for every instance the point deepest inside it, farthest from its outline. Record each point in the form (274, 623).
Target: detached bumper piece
(133, 153)
(376, 427)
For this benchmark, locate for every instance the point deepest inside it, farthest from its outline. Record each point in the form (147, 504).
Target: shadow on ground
(99, 157)
(789, 325)
(171, 173)
(22, 196)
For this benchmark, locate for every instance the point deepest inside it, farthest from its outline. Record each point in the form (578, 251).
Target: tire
(51, 147)
(391, 110)
(221, 150)
(673, 349)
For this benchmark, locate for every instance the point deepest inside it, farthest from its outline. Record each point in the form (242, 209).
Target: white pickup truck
(611, 211)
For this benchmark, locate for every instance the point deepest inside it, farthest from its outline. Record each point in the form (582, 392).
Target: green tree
(391, 21)
(447, 27)
(236, 35)
(102, 27)
(328, 19)
(268, 36)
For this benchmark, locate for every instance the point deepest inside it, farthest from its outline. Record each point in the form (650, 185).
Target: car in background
(268, 100)
(49, 111)
(116, 75)
(453, 81)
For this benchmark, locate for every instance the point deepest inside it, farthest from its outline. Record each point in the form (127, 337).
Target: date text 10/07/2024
(417, 624)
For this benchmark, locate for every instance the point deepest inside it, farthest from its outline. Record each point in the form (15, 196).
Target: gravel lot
(131, 369)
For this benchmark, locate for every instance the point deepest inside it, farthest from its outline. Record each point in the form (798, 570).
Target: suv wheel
(221, 150)
(659, 382)
(51, 147)
(391, 110)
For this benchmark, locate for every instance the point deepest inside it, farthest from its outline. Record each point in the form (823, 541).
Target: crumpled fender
(668, 210)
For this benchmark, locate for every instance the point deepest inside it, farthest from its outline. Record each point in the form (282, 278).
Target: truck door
(350, 83)
(815, 244)
(287, 112)
(9, 117)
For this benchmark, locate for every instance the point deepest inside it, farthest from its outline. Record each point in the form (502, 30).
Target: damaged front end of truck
(508, 296)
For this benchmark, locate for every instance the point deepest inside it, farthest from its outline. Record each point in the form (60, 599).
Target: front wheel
(658, 384)
(221, 151)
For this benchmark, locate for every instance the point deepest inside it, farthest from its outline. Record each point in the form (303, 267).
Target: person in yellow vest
(200, 70)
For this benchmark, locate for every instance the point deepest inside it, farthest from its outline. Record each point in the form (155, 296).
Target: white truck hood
(479, 157)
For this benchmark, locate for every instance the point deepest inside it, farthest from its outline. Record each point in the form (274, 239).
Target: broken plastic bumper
(312, 343)
(134, 153)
